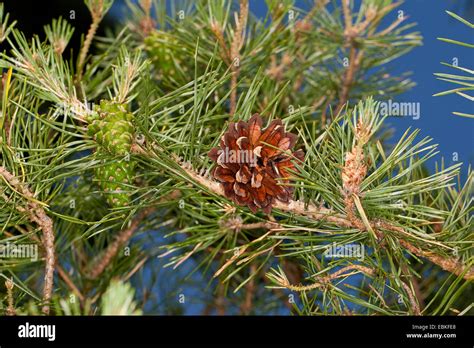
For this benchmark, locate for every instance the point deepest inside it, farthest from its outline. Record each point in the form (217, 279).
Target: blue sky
(452, 133)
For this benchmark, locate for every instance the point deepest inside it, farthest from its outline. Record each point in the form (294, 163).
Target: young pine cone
(165, 52)
(254, 164)
(111, 125)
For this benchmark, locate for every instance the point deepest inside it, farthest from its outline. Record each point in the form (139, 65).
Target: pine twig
(416, 290)
(61, 272)
(37, 215)
(279, 293)
(237, 42)
(283, 281)
(232, 56)
(220, 300)
(10, 304)
(236, 224)
(448, 264)
(414, 305)
(100, 263)
(97, 10)
(246, 307)
(351, 33)
(355, 58)
(65, 277)
(224, 52)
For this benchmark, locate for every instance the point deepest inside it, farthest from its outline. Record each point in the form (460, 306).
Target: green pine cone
(113, 179)
(111, 126)
(164, 51)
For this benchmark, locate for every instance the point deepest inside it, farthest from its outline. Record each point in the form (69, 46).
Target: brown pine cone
(253, 173)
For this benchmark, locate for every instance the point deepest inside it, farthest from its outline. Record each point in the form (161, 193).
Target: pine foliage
(100, 155)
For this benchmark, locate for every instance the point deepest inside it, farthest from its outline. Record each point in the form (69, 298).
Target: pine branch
(47, 74)
(98, 9)
(279, 277)
(348, 189)
(97, 266)
(319, 213)
(414, 304)
(61, 272)
(250, 288)
(217, 31)
(355, 55)
(355, 58)
(36, 213)
(100, 263)
(449, 264)
(65, 277)
(322, 214)
(237, 42)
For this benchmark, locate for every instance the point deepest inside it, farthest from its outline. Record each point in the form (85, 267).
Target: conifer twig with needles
(237, 42)
(36, 213)
(98, 9)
